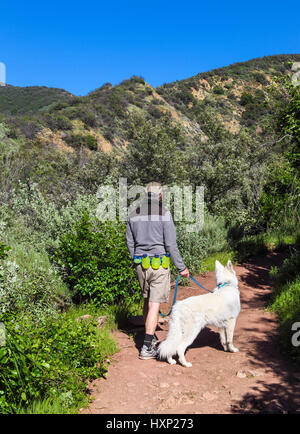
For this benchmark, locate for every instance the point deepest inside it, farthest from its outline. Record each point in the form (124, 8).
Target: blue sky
(78, 46)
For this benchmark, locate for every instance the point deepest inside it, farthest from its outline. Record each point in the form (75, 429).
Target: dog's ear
(230, 266)
(218, 266)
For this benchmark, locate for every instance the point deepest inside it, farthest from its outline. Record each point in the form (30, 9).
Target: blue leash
(176, 288)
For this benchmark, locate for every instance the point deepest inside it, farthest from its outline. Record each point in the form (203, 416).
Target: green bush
(280, 198)
(155, 151)
(260, 78)
(96, 263)
(3, 250)
(286, 300)
(53, 359)
(41, 221)
(29, 285)
(218, 90)
(246, 98)
(58, 122)
(76, 140)
(83, 113)
(195, 247)
(91, 142)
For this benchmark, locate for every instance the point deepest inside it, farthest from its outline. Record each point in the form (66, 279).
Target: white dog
(219, 308)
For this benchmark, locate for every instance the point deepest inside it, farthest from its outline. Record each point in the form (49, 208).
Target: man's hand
(185, 273)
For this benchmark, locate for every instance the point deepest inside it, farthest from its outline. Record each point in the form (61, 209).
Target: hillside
(16, 100)
(219, 129)
(209, 106)
(237, 96)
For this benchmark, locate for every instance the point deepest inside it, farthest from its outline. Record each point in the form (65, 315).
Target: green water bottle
(166, 260)
(155, 262)
(145, 262)
(137, 259)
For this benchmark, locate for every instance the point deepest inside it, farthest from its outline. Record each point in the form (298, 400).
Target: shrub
(96, 263)
(246, 98)
(260, 78)
(29, 285)
(58, 122)
(218, 90)
(280, 198)
(54, 359)
(3, 250)
(196, 246)
(155, 151)
(193, 249)
(137, 79)
(155, 111)
(76, 140)
(83, 113)
(89, 118)
(286, 300)
(91, 142)
(40, 221)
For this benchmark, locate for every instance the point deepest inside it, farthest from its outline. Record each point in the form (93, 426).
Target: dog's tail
(169, 346)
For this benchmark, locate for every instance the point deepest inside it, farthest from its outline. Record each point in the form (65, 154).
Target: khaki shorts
(155, 284)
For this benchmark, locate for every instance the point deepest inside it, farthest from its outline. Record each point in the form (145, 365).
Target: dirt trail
(256, 379)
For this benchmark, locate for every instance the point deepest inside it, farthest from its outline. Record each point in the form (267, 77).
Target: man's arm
(130, 240)
(171, 244)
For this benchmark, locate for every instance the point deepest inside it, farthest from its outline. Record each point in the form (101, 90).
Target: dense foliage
(234, 130)
(286, 300)
(54, 358)
(96, 263)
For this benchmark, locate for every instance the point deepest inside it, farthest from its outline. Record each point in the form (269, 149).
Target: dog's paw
(188, 365)
(172, 361)
(233, 349)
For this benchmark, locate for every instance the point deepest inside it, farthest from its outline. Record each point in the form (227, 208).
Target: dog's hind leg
(183, 346)
(222, 332)
(189, 335)
(229, 334)
(181, 350)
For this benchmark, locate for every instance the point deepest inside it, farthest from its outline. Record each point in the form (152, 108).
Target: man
(151, 231)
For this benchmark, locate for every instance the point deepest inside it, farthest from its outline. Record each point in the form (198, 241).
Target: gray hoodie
(150, 230)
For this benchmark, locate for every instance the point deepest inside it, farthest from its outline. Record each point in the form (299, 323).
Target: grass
(209, 263)
(119, 314)
(116, 317)
(278, 240)
(61, 404)
(32, 261)
(104, 344)
(286, 299)
(273, 240)
(251, 246)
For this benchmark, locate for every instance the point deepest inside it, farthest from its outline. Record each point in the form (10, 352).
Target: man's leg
(159, 288)
(145, 310)
(151, 317)
(150, 313)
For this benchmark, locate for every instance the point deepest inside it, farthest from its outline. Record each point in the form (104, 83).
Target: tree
(281, 197)
(289, 122)
(155, 151)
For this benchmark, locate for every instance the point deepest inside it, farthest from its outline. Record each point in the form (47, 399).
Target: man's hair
(154, 188)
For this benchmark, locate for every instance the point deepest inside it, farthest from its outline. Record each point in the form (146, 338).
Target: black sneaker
(148, 353)
(155, 341)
